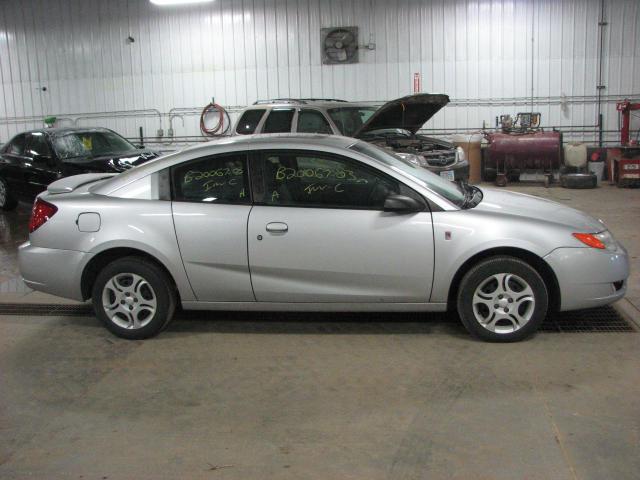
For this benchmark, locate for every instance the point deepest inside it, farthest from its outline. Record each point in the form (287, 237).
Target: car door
(41, 167)
(12, 164)
(318, 233)
(211, 203)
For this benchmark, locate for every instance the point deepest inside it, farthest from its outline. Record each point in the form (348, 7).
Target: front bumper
(53, 271)
(589, 277)
(460, 170)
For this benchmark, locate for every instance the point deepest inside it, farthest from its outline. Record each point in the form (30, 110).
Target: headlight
(460, 155)
(607, 239)
(414, 159)
(603, 240)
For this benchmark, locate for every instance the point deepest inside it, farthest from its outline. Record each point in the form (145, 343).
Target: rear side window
(16, 147)
(37, 145)
(249, 121)
(278, 121)
(217, 179)
(312, 121)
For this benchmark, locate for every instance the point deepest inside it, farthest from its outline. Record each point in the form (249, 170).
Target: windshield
(350, 119)
(439, 185)
(90, 144)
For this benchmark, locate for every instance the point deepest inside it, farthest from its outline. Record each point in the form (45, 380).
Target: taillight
(41, 212)
(590, 240)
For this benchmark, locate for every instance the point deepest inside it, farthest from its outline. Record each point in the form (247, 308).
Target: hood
(522, 205)
(115, 162)
(408, 113)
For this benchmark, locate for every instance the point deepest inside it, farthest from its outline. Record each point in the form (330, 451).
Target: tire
(525, 289)
(7, 201)
(489, 175)
(579, 180)
(142, 296)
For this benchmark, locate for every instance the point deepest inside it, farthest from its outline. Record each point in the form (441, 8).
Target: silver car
(313, 223)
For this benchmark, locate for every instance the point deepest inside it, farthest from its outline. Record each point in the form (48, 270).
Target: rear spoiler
(69, 184)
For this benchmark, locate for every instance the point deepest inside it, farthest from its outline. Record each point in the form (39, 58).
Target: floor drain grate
(47, 309)
(593, 320)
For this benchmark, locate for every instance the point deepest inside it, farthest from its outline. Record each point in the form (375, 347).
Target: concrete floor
(238, 396)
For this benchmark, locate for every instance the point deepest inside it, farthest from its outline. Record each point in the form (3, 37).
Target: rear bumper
(589, 277)
(53, 271)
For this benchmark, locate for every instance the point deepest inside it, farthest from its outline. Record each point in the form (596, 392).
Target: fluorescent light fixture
(178, 2)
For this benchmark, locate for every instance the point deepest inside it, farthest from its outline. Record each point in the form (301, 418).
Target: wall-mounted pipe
(149, 112)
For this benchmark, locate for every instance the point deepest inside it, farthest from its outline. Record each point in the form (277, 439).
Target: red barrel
(513, 153)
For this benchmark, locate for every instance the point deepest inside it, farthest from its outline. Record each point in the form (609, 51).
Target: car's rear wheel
(502, 299)
(7, 200)
(134, 298)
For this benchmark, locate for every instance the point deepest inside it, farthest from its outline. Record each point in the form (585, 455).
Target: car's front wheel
(134, 298)
(7, 200)
(502, 299)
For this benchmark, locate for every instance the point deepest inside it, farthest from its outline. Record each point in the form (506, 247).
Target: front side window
(279, 121)
(249, 121)
(16, 147)
(218, 179)
(315, 179)
(350, 119)
(445, 188)
(312, 121)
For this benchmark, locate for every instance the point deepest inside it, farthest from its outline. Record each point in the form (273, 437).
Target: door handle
(277, 227)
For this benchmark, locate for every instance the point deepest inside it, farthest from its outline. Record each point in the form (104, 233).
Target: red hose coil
(219, 128)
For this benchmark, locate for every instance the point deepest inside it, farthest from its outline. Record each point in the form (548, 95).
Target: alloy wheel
(129, 301)
(503, 303)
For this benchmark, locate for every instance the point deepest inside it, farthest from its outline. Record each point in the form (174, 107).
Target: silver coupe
(313, 223)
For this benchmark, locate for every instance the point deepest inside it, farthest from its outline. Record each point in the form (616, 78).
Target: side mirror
(139, 146)
(402, 204)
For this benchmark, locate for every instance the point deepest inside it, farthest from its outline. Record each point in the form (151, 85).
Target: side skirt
(316, 307)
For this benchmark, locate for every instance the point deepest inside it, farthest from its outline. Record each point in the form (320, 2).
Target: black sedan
(32, 160)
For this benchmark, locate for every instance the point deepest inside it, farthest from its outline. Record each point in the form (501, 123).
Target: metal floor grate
(45, 309)
(595, 320)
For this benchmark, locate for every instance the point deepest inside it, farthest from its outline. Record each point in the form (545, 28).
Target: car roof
(309, 102)
(274, 140)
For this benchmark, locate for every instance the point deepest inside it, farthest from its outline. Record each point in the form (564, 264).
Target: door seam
(184, 267)
(249, 258)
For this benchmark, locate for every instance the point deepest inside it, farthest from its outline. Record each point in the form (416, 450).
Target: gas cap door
(88, 222)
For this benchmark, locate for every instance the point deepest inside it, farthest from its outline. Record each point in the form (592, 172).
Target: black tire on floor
(7, 201)
(579, 180)
(489, 175)
(161, 288)
(482, 272)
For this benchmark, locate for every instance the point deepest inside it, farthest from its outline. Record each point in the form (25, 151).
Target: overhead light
(178, 2)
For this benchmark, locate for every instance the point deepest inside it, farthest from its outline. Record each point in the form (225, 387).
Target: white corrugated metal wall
(479, 52)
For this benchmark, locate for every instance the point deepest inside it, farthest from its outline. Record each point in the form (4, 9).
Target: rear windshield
(249, 121)
(90, 144)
